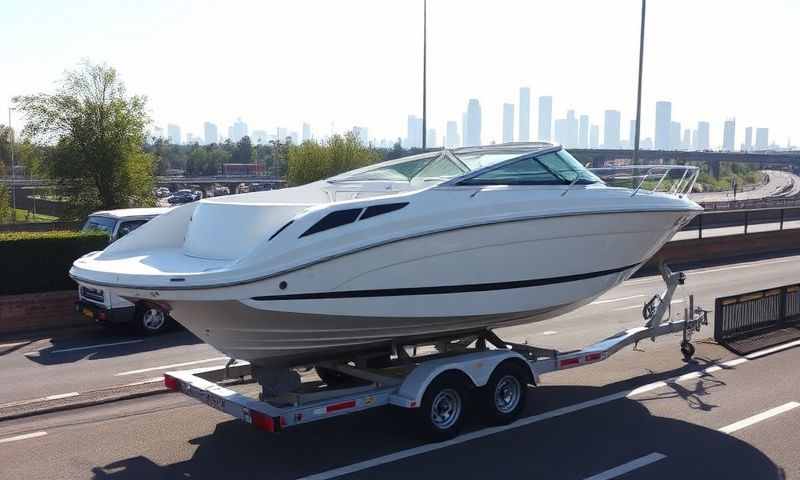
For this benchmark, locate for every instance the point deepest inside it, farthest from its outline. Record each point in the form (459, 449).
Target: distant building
(473, 132)
(362, 134)
(430, 141)
(238, 130)
(452, 138)
(210, 133)
(545, 118)
(560, 131)
(174, 134)
(281, 134)
(583, 131)
(190, 139)
(508, 122)
(647, 144)
(686, 144)
(594, 136)
(306, 132)
(632, 133)
(413, 132)
(663, 125)
(611, 129)
(157, 133)
(524, 114)
(572, 129)
(464, 122)
(762, 138)
(748, 139)
(729, 135)
(260, 137)
(703, 136)
(675, 135)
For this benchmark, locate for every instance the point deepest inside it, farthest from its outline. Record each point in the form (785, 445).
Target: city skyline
(380, 85)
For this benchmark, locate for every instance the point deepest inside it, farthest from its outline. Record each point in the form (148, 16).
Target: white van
(146, 318)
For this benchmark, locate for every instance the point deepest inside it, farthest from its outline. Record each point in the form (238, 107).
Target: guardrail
(745, 217)
(752, 204)
(756, 312)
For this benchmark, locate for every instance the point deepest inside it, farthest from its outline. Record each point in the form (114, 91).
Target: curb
(86, 399)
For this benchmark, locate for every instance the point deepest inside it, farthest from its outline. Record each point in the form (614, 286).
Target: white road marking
(549, 332)
(627, 308)
(23, 437)
(611, 300)
(12, 345)
(61, 395)
(767, 351)
(167, 367)
(760, 417)
(143, 382)
(655, 278)
(90, 347)
(628, 467)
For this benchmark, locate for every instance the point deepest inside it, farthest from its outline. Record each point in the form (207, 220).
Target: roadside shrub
(33, 262)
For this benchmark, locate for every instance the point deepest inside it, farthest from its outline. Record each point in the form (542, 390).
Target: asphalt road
(781, 184)
(96, 359)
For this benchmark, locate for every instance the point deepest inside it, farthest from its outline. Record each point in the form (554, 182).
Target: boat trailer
(433, 378)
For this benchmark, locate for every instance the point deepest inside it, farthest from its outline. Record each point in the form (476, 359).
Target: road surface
(781, 184)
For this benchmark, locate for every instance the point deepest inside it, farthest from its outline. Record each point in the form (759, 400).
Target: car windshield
(97, 223)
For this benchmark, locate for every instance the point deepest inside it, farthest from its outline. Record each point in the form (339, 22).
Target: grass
(27, 216)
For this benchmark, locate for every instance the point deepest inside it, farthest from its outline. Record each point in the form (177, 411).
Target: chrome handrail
(682, 186)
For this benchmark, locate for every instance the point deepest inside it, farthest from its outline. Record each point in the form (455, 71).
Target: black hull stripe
(476, 287)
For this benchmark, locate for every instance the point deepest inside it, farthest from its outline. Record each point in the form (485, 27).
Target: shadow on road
(571, 446)
(61, 349)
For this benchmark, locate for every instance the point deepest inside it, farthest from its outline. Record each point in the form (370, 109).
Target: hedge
(33, 262)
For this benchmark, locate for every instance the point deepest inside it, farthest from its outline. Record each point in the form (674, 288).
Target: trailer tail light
(340, 406)
(569, 362)
(262, 421)
(170, 382)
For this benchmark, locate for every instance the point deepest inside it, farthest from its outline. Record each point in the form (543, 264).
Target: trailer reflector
(593, 357)
(262, 421)
(340, 406)
(170, 382)
(569, 362)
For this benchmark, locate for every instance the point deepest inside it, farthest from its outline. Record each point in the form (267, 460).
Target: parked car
(162, 192)
(146, 318)
(182, 196)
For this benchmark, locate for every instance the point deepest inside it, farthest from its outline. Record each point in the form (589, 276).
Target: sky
(336, 64)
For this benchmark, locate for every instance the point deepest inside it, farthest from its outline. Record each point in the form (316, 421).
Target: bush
(33, 262)
(312, 161)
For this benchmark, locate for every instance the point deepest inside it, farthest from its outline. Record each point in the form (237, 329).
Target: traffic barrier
(756, 312)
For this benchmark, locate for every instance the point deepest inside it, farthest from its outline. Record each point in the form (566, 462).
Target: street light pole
(424, 73)
(13, 172)
(639, 91)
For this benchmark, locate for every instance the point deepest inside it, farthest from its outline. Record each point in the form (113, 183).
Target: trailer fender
(478, 367)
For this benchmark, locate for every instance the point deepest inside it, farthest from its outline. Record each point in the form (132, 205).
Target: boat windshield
(552, 168)
(428, 166)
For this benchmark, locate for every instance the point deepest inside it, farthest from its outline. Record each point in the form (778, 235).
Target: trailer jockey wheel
(443, 407)
(687, 349)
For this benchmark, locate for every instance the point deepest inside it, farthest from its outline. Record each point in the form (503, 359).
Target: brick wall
(38, 311)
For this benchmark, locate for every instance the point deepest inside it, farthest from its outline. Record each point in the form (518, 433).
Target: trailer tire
(504, 395)
(443, 408)
(150, 319)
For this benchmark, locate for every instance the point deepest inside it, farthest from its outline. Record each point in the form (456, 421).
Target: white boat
(439, 243)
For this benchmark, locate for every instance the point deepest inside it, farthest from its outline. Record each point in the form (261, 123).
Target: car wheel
(151, 319)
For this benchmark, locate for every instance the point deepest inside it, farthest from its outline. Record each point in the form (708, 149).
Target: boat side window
(441, 168)
(566, 167)
(527, 171)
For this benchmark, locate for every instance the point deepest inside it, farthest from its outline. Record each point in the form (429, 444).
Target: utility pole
(424, 73)
(639, 92)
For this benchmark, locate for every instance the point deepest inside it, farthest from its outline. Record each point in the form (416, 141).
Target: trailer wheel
(504, 395)
(150, 319)
(443, 408)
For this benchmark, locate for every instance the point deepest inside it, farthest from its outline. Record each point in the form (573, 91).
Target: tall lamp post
(13, 172)
(639, 91)
(424, 73)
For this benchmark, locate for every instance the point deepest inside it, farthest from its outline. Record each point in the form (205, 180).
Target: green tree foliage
(312, 161)
(5, 205)
(244, 151)
(96, 133)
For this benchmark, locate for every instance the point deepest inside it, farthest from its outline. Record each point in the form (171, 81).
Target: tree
(5, 205)
(97, 134)
(244, 151)
(312, 161)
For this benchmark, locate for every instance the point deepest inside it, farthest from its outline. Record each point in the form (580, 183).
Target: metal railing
(752, 313)
(674, 179)
(746, 218)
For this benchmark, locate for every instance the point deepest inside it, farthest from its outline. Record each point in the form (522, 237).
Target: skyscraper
(560, 131)
(174, 134)
(414, 132)
(464, 122)
(430, 142)
(729, 135)
(762, 138)
(632, 133)
(663, 125)
(748, 139)
(239, 130)
(210, 133)
(260, 137)
(594, 136)
(306, 132)
(508, 122)
(687, 139)
(583, 131)
(611, 129)
(524, 114)
(282, 133)
(703, 135)
(473, 135)
(674, 135)
(545, 117)
(451, 136)
(572, 129)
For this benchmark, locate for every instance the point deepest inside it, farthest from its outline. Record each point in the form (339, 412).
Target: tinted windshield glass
(103, 224)
(566, 167)
(527, 171)
(429, 166)
(479, 160)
